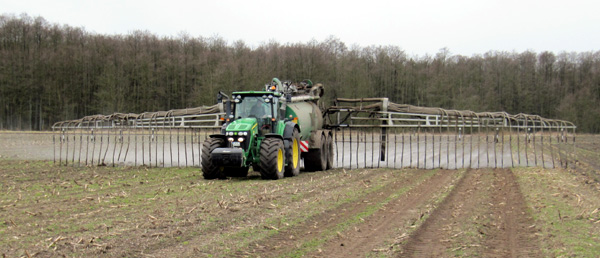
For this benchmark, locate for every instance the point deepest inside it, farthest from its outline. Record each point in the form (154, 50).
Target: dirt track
(361, 238)
(487, 209)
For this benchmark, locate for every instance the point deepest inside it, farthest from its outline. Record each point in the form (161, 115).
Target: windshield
(252, 106)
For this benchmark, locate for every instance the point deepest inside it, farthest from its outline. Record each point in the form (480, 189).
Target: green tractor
(270, 131)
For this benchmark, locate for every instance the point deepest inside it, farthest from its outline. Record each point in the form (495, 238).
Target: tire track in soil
(290, 239)
(512, 230)
(489, 199)
(429, 240)
(384, 223)
(247, 212)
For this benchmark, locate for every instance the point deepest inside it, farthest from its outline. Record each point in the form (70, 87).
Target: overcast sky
(419, 27)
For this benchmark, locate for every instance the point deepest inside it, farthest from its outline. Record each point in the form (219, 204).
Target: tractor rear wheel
(210, 170)
(292, 153)
(316, 159)
(272, 158)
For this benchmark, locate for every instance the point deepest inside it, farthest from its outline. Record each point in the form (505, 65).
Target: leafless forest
(51, 72)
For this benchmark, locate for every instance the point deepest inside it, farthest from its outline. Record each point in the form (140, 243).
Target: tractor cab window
(253, 106)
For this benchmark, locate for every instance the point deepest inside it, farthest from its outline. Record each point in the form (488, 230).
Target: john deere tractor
(270, 131)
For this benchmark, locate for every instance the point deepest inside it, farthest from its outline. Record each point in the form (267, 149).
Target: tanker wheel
(329, 151)
(272, 158)
(316, 159)
(210, 170)
(292, 154)
(237, 172)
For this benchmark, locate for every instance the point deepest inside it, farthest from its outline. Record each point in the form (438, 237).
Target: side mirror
(227, 108)
(220, 97)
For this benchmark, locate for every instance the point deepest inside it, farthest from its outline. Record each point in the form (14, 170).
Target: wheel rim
(279, 160)
(295, 154)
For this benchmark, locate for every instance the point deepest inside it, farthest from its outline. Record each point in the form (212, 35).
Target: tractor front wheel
(272, 158)
(210, 170)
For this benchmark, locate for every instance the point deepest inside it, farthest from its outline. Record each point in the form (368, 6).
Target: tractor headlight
(236, 133)
(241, 139)
(230, 139)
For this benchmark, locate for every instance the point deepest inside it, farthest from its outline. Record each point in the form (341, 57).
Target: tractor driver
(258, 109)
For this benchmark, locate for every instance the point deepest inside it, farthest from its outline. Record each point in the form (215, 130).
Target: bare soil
(484, 215)
(396, 216)
(48, 210)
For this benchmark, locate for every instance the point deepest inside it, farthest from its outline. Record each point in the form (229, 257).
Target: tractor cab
(254, 107)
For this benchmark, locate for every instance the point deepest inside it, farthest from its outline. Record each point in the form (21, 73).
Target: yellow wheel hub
(279, 160)
(295, 154)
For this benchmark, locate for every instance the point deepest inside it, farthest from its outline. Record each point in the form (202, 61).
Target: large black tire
(237, 172)
(292, 154)
(272, 158)
(209, 170)
(316, 159)
(330, 151)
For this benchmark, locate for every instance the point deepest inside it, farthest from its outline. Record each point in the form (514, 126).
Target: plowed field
(49, 211)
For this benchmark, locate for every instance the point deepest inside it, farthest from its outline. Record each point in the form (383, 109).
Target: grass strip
(563, 211)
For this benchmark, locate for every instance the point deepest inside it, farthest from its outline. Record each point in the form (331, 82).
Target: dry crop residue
(356, 227)
(331, 222)
(485, 215)
(386, 223)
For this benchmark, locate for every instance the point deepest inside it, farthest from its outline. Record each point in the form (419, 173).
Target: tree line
(51, 72)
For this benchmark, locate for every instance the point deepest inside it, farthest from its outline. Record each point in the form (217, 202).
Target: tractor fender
(289, 130)
(218, 136)
(273, 135)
